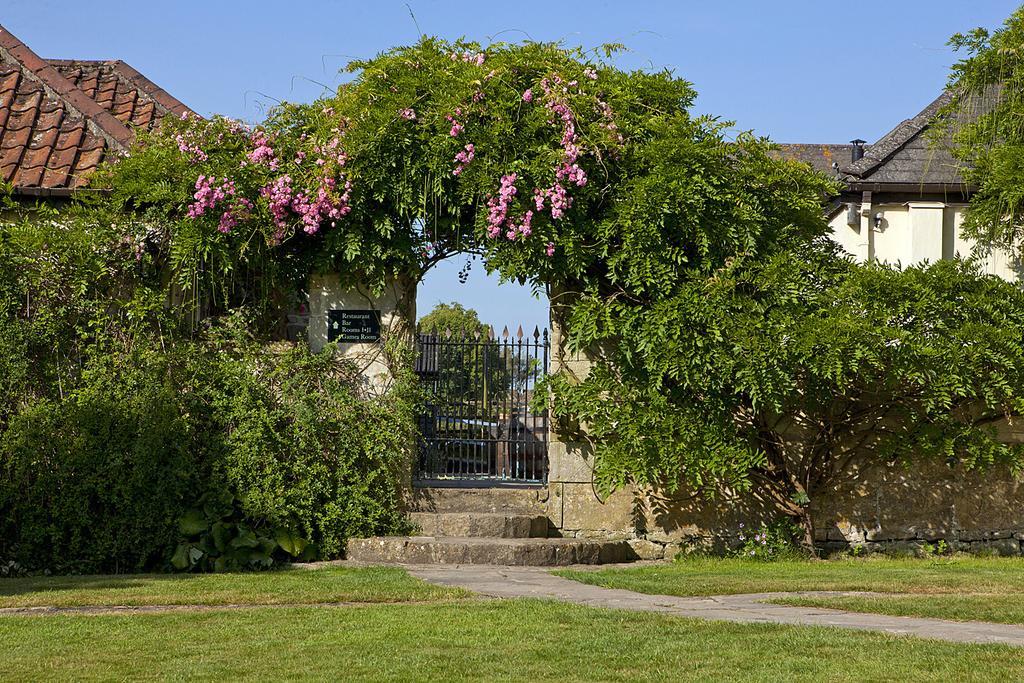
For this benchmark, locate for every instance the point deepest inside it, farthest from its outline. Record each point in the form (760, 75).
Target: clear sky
(795, 70)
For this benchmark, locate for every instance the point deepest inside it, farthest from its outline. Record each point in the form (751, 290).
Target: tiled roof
(820, 157)
(55, 131)
(905, 155)
(133, 99)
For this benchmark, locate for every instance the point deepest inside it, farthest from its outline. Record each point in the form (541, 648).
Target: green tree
(454, 318)
(781, 377)
(986, 122)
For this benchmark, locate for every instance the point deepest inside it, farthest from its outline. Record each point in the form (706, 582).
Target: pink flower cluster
(463, 158)
(210, 193)
(283, 200)
(409, 114)
(568, 169)
(279, 198)
(316, 211)
(229, 219)
(188, 145)
(556, 196)
(497, 214)
(497, 207)
(262, 153)
(477, 58)
(522, 227)
(457, 127)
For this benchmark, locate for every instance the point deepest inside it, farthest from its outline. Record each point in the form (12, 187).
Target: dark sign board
(350, 326)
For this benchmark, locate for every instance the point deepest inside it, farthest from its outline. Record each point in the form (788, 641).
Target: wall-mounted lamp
(878, 220)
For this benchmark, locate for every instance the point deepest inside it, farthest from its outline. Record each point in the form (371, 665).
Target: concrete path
(537, 582)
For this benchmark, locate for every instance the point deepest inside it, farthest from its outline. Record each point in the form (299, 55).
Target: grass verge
(1002, 609)
(472, 640)
(287, 586)
(707, 576)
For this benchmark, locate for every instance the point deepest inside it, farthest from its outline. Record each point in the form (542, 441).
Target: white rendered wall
(911, 232)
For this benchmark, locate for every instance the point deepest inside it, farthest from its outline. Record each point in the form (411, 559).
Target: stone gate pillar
(573, 505)
(360, 321)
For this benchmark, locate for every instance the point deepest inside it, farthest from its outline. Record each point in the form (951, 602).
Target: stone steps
(546, 552)
(517, 500)
(480, 524)
(497, 525)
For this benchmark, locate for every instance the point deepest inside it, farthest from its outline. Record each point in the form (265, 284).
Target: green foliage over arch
(609, 182)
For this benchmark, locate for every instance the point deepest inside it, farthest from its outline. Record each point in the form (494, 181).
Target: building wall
(911, 232)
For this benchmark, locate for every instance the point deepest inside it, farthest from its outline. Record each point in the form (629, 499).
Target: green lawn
(408, 630)
(470, 640)
(290, 586)
(728, 576)
(1001, 608)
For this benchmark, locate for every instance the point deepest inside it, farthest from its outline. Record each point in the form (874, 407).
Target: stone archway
(566, 494)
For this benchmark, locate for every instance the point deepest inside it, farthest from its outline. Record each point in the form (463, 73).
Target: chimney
(858, 150)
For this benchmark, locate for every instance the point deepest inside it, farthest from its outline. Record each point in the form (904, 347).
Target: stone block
(1004, 547)
(523, 500)
(540, 552)
(480, 524)
(583, 510)
(646, 550)
(569, 462)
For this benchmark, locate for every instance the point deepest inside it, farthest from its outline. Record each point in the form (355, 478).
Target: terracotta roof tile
(132, 98)
(60, 118)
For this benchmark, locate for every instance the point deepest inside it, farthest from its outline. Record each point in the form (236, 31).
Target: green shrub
(96, 482)
(306, 447)
(774, 541)
(218, 453)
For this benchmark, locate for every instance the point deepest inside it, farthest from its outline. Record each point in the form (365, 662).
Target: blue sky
(795, 70)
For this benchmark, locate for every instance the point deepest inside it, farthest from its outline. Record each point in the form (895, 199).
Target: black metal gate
(478, 423)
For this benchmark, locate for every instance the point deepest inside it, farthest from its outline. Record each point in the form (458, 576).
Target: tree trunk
(807, 526)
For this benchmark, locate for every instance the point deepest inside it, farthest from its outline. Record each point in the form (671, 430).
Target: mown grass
(713, 576)
(471, 640)
(1003, 609)
(289, 586)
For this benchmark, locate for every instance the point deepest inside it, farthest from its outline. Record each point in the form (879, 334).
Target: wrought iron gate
(478, 423)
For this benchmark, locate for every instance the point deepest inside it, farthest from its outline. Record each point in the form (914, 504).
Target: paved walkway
(537, 582)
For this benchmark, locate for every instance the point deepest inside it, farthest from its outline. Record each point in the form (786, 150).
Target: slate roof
(906, 156)
(56, 130)
(820, 157)
(904, 159)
